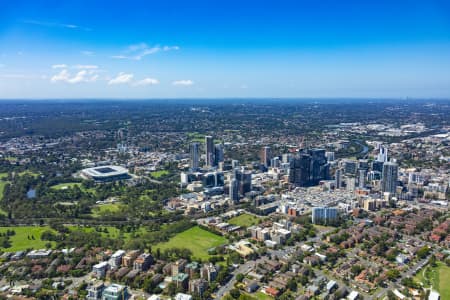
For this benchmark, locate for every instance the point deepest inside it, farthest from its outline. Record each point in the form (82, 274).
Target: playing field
(444, 280)
(103, 208)
(159, 174)
(20, 240)
(195, 239)
(244, 220)
(438, 277)
(110, 231)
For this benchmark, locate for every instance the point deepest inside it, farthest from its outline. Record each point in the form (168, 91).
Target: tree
(171, 289)
(391, 295)
(292, 285)
(423, 252)
(235, 293)
(393, 274)
(239, 277)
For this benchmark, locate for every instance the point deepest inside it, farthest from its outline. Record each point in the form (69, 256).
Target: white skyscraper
(383, 154)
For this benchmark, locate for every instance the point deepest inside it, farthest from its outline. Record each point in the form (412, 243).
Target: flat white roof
(100, 265)
(353, 295)
(118, 253)
(434, 296)
(105, 171)
(115, 288)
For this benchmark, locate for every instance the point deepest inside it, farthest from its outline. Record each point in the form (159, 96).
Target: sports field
(437, 277)
(195, 239)
(443, 280)
(103, 208)
(244, 220)
(23, 239)
(159, 174)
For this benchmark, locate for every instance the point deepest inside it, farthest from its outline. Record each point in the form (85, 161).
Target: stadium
(105, 173)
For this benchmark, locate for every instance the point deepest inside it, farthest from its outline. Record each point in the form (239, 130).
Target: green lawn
(443, 280)
(159, 174)
(2, 184)
(438, 277)
(102, 208)
(112, 232)
(63, 186)
(257, 296)
(200, 138)
(195, 239)
(30, 173)
(20, 240)
(244, 220)
(261, 295)
(2, 188)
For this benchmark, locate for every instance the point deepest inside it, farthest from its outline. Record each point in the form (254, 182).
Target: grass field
(2, 188)
(444, 281)
(110, 207)
(20, 240)
(199, 138)
(438, 277)
(63, 186)
(30, 173)
(112, 232)
(195, 239)
(244, 220)
(2, 184)
(159, 174)
(261, 295)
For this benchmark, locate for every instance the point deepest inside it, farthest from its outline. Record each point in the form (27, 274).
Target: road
(411, 271)
(242, 269)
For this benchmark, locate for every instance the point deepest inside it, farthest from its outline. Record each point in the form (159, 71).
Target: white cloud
(61, 76)
(88, 53)
(139, 51)
(85, 67)
(137, 47)
(59, 66)
(81, 76)
(183, 82)
(121, 78)
(120, 57)
(54, 24)
(146, 81)
(169, 48)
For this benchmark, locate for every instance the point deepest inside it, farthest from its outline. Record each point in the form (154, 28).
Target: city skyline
(76, 49)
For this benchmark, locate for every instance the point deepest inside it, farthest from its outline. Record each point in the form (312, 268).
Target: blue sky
(159, 49)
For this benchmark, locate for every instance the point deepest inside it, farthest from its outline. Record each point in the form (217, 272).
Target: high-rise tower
(194, 156)
(209, 150)
(389, 178)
